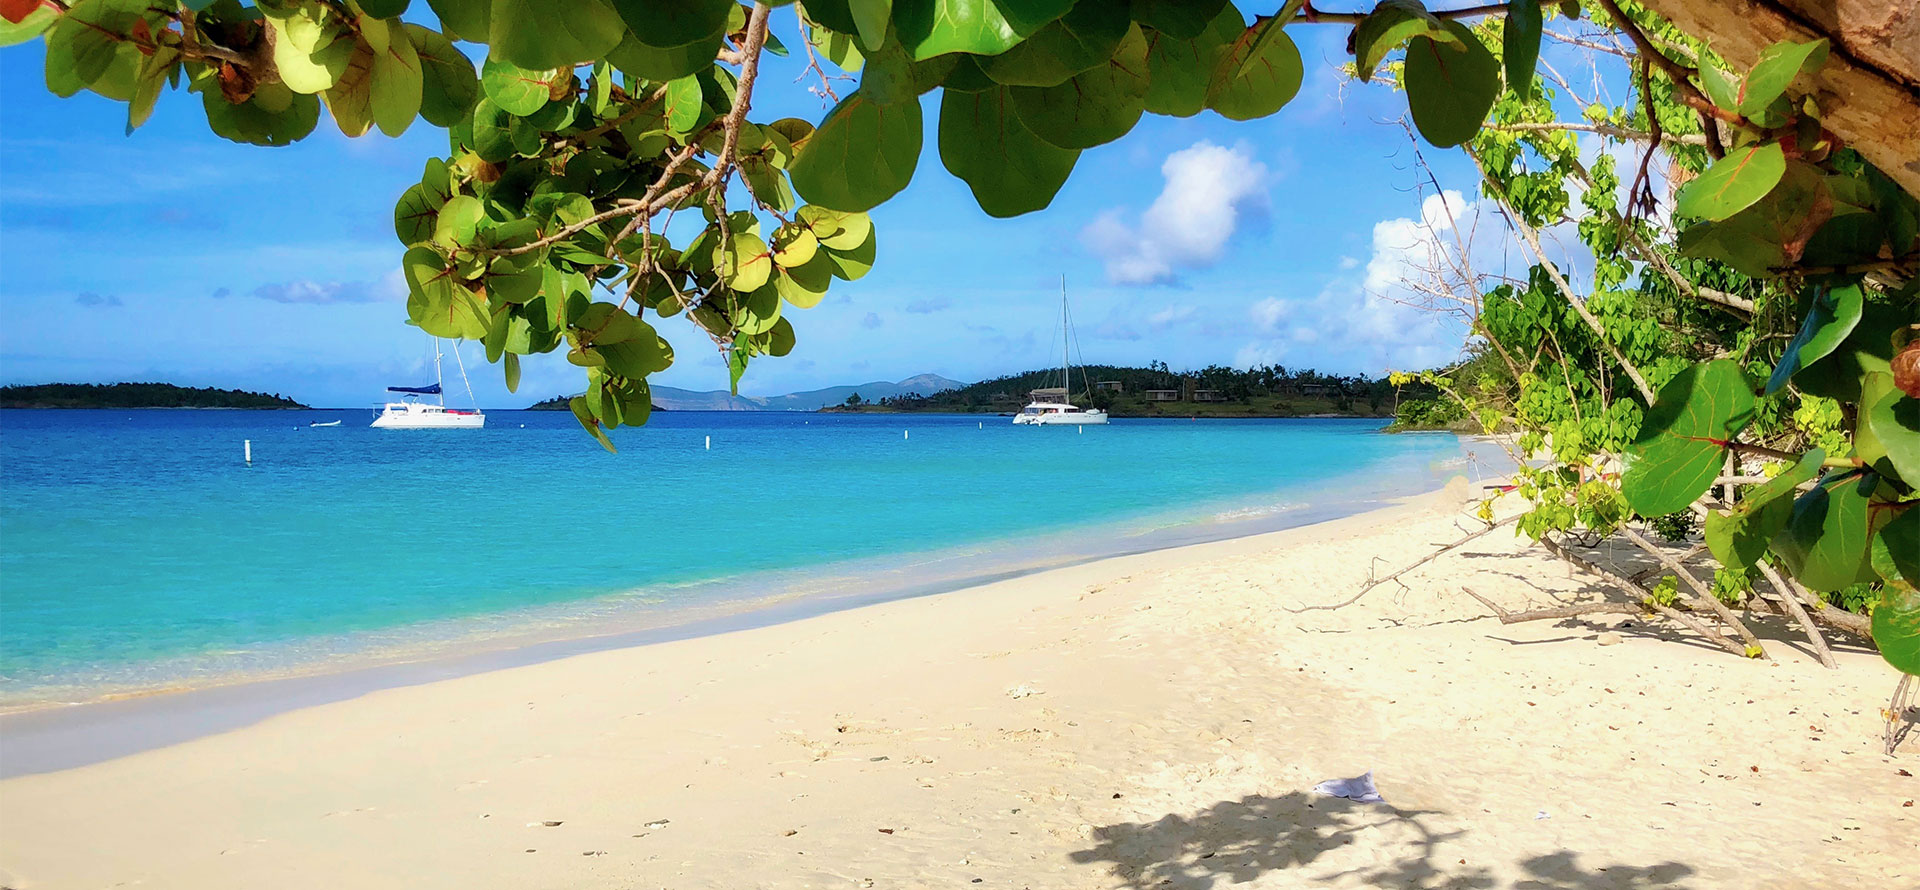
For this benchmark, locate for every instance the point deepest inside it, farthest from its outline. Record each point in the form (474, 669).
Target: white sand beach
(1146, 721)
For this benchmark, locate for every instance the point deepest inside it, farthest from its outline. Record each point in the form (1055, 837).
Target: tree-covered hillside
(136, 395)
(1156, 390)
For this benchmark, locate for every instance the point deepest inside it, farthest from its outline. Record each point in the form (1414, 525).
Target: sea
(140, 552)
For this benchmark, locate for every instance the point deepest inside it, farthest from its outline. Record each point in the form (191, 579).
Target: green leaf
(578, 405)
(836, 230)
(748, 262)
(1896, 550)
(396, 86)
(1392, 23)
(1096, 106)
(492, 131)
(1179, 71)
(806, 284)
(274, 115)
(683, 105)
(1257, 75)
(870, 19)
(439, 302)
(931, 28)
(26, 29)
(1450, 88)
(736, 367)
(511, 365)
(1828, 539)
(1520, 44)
(91, 47)
(1831, 316)
(1894, 420)
(1896, 627)
(1739, 537)
(308, 51)
(459, 220)
(794, 245)
(1010, 170)
(383, 9)
(1085, 37)
(657, 64)
(851, 264)
(670, 23)
(351, 96)
(1681, 442)
(1776, 69)
(862, 154)
(542, 34)
(758, 311)
(448, 86)
(515, 89)
(638, 356)
(1867, 349)
(1733, 183)
(417, 213)
(155, 73)
(465, 19)
(1183, 19)
(1722, 87)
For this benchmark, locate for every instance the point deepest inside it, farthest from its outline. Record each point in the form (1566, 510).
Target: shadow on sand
(1238, 841)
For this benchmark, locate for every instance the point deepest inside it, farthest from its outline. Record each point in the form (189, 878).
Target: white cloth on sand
(1358, 788)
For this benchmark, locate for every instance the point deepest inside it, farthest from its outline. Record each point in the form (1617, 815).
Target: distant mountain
(135, 395)
(673, 398)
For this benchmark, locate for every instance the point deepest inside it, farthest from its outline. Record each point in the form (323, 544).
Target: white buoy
(1082, 429)
(903, 434)
(709, 443)
(248, 445)
(980, 425)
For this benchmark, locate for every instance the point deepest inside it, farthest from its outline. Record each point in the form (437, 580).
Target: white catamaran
(412, 413)
(1054, 407)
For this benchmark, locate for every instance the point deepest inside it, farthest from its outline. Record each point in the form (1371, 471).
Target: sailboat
(1046, 409)
(414, 413)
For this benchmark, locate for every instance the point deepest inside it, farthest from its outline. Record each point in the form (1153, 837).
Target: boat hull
(429, 421)
(1065, 418)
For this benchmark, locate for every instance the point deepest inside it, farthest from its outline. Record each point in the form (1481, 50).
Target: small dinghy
(328, 423)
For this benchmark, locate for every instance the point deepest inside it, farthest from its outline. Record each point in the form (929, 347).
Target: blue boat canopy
(433, 390)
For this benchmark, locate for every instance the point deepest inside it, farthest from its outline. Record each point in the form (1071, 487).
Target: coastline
(1139, 721)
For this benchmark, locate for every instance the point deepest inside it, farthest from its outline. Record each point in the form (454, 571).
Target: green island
(1156, 391)
(136, 395)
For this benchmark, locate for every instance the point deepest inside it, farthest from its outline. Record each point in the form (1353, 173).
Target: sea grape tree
(589, 126)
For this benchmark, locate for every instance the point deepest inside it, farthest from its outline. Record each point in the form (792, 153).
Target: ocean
(138, 552)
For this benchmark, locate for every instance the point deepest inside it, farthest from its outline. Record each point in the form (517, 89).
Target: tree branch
(1704, 594)
(1625, 585)
(1787, 596)
(1608, 130)
(1427, 559)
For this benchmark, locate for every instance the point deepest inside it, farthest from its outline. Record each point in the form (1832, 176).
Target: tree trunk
(1869, 90)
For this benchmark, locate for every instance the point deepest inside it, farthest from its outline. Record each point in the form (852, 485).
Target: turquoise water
(138, 551)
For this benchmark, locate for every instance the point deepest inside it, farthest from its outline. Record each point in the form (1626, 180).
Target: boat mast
(1066, 340)
(438, 382)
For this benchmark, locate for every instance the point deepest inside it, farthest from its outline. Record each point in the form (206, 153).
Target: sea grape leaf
(273, 115)
(670, 23)
(517, 90)
(870, 19)
(862, 154)
(396, 86)
(415, 216)
(1685, 433)
(1722, 87)
(578, 405)
(806, 284)
(1896, 627)
(1010, 170)
(1182, 19)
(1775, 70)
(307, 50)
(1096, 106)
(465, 19)
(383, 9)
(351, 96)
(851, 264)
(931, 28)
(663, 64)
(1392, 23)
(1827, 539)
(1450, 86)
(794, 245)
(1739, 537)
(1520, 44)
(1257, 74)
(1180, 70)
(1868, 348)
(448, 85)
(1831, 316)
(1085, 37)
(836, 229)
(1893, 417)
(544, 34)
(1896, 550)
(29, 27)
(459, 221)
(1733, 183)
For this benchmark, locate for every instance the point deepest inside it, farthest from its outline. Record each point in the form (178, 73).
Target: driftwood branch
(1792, 601)
(1626, 586)
(1423, 561)
(1705, 595)
(1510, 617)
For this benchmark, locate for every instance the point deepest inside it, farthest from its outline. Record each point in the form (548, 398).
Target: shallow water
(137, 550)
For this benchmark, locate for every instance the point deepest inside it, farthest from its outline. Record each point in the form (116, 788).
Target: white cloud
(1209, 189)
(391, 287)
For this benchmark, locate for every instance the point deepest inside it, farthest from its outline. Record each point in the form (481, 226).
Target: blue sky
(174, 255)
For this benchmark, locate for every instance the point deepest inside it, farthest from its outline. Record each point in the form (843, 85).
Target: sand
(1146, 721)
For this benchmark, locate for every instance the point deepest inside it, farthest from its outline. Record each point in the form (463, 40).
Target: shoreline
(1158, 719)
(50, 736)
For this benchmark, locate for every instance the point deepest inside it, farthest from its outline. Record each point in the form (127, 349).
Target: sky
(173, 255)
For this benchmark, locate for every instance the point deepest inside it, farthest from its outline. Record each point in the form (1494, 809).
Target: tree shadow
(1237, 841)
